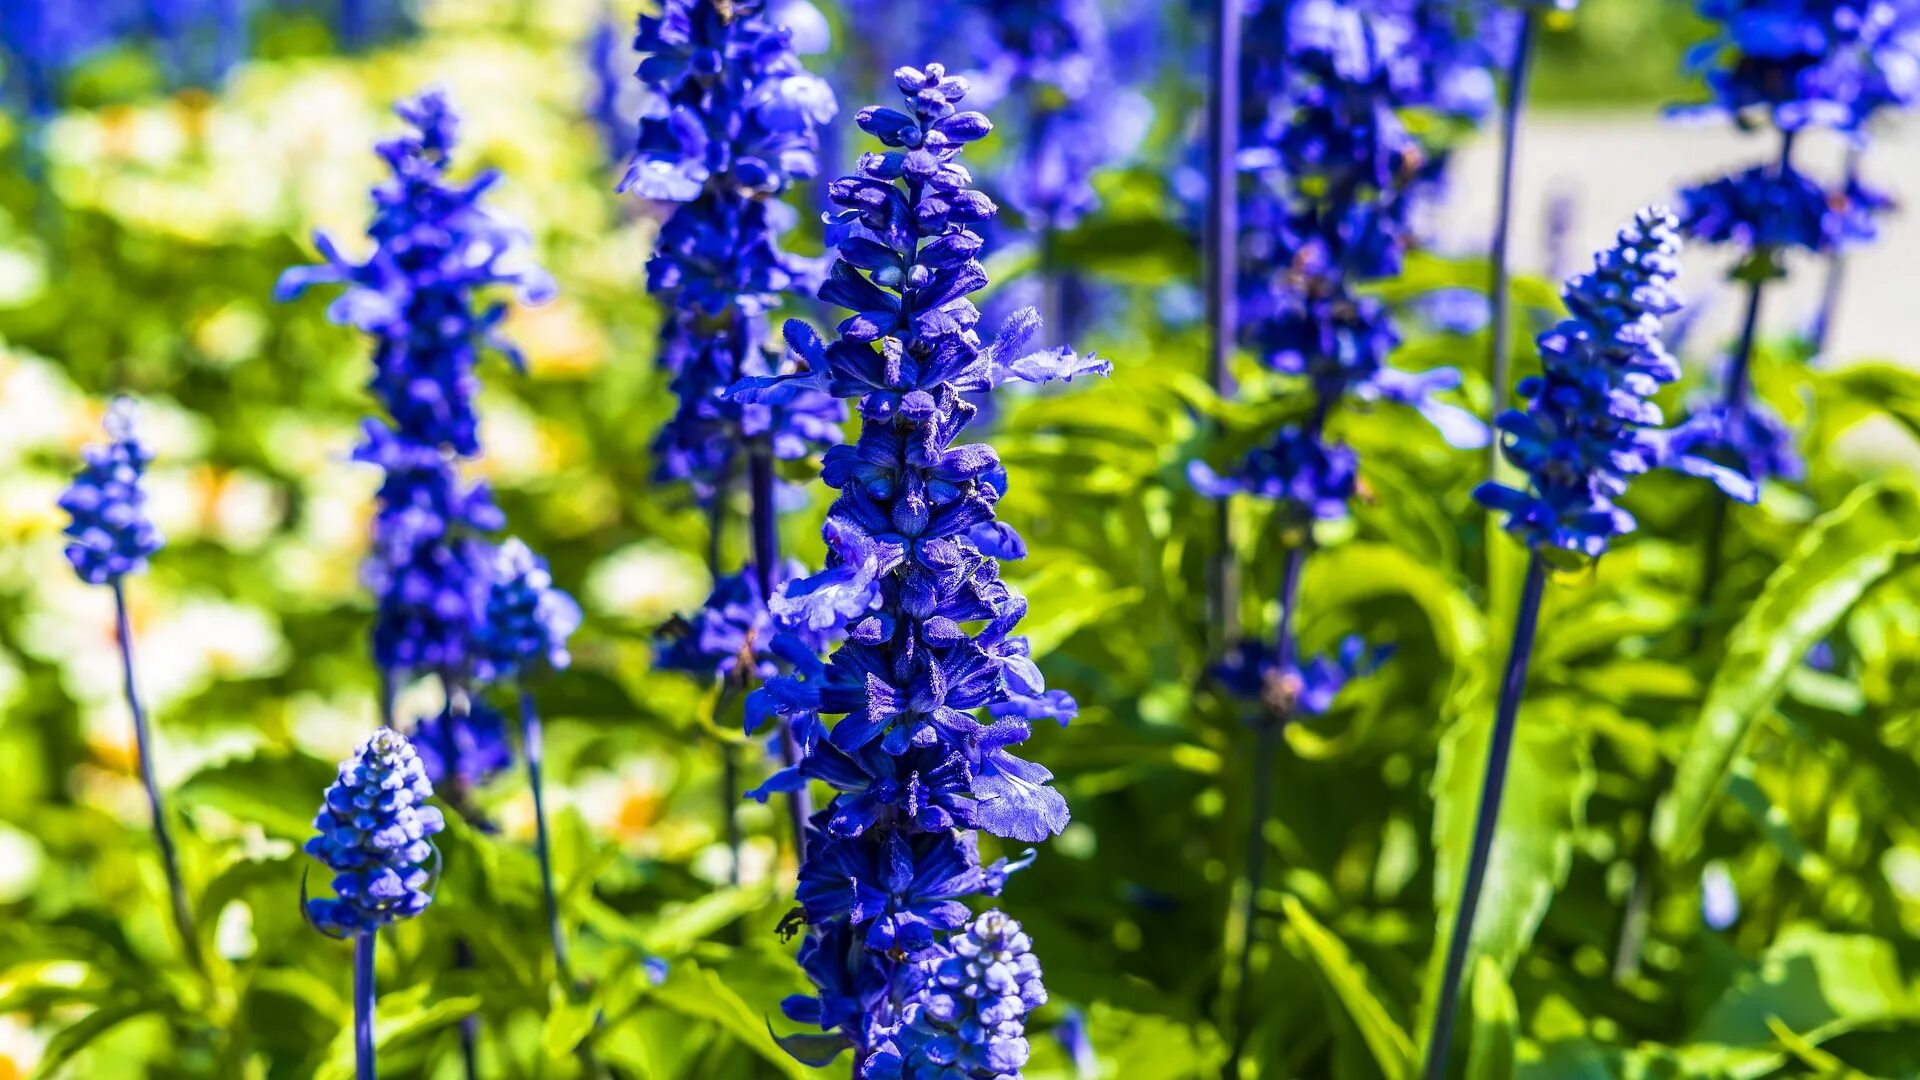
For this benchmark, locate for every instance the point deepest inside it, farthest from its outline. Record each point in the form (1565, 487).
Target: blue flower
(1750, 437)
(969, 1022)
(437, 248)
(462, 747)
(1311, 478)
(913, 576)
(1254, 671)
(1765, 210)
(1832, 63)
(110, 533)
(528, 620)
(374, 831)
(1588, 427)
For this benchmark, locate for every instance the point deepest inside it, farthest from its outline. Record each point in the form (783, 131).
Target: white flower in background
(39, 406)
(21, 859)
(329, 728)
(236, 507)
(21, 1048)
(626, 803)
(647, 582)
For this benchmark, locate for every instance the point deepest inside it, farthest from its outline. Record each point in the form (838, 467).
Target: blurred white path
(1613, 163)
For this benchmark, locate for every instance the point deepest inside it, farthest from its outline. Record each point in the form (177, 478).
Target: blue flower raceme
(913, 563)
(111, 537)
(463, 745)
(737, 122)
(375, 833)
(1800, 63)
(437, 248)
(110, 534)
(1587, 426)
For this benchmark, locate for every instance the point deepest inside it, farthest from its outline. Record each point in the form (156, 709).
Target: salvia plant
(109, 537)
(1338, 176)
(736, 127)
(375, 833)
(914, 555)
(1585, 429)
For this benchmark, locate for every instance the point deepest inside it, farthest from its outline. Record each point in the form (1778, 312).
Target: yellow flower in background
(21, 1048)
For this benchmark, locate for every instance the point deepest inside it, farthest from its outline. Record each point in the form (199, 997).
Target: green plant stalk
(1501, 362)
(533, 742)
(162, 831)
(1492, 788)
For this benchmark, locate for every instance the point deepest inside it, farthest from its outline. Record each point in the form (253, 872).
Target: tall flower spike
(968, 1022)
(914, 561)
(375, 833)
(1587, 427)
(437, 250)
(111, 538)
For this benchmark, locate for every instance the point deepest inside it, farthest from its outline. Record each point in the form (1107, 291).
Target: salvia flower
(1830, 63)
(110, 534)
(437, 248)
(1588, 426)
(1766, 210)
(528, 619)
(375, 833)
(969, 1020)
(462, 746)
(736, 120)
(913, 567)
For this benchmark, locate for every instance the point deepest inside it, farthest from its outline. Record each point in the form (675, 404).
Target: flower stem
(534, 742)
(363, 1059)
(729, 769)
(766, 555)
(1222, 246)
(1502, 359)
(1836, 274)
(162, 831)
(1266, 748)
(1492, 788)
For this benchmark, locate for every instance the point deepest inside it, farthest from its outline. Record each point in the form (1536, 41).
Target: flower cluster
(968, 1020)
(1835, 64)
(913, 563)
(463, 745)
(436, 248)
(374, 831)
(1335, 170)
(1827, 63)
(109, 532)
(1587, 427)
(527, 619)
(1079, 115)
(736, 122)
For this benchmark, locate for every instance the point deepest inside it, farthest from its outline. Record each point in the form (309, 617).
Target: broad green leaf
(80, 1034)
(1384, 1036)
(1550, 775)
(1842, 555)
(697, 992)
(1496, 1024)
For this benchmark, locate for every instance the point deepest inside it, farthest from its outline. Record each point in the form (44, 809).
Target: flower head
(1765, 210)
(528, 620)
(462, 746)
(375, 832)
(110, 535)
(1587, 427)
(1832, 63)
(969, 1022)
(932, 684)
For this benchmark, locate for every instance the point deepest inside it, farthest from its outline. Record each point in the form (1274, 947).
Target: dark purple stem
(363, 993)
(1836, 274)
(1502, 361)
(534, 742)
(729, 779)
(1492, 788)
(1222, 245)
(766, 556)
(143, 747)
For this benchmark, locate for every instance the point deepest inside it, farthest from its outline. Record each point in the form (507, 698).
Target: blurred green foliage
(146, 265)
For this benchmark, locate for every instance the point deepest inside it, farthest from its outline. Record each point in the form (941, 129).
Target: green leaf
(1842, 555)
(1550, 775)
(697, 992)
(1496, 1024)
(1384, 1036)
(77, 1036)
(397, 1017)
(274, 791)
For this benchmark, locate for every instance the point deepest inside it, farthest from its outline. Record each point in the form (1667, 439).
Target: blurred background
(159, 176)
